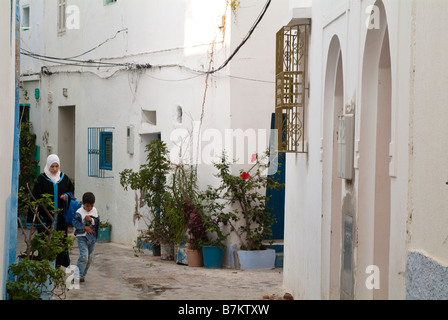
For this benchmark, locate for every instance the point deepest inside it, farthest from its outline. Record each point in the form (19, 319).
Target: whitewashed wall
(7, 111)
(310, 195)
(416, 171)
(176, 38)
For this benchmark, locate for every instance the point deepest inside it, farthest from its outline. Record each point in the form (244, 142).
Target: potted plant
(104, 231)
(213, 247)
(35, 276)
(197, 233)
(243, 207)
(146, 240)
(164, 186)
(151, 181)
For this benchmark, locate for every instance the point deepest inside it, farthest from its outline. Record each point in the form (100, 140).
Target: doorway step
(278, 246)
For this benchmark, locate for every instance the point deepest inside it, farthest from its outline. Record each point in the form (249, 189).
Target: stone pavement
(118, 273)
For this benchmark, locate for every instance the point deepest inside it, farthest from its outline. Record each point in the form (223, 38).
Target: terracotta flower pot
(195, 258)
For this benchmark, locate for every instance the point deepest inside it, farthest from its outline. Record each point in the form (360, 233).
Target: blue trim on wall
(12, 204)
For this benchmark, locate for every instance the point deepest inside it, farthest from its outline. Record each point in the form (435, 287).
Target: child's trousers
(86, 249)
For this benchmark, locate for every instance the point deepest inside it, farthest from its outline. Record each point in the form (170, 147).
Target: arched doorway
(332, 185)
(373, 218)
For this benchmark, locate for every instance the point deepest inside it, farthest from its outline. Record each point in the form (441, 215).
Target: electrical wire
(243, 42)
(102, 43)
(71, 61)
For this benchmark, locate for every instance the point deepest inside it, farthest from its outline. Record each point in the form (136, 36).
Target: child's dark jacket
(79, 223)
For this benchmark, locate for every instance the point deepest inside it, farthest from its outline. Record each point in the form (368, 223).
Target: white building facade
(365, 197)
(153, 76)
(365, 205)
(9, 140)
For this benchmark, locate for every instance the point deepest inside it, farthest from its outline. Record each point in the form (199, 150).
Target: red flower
(245, 175)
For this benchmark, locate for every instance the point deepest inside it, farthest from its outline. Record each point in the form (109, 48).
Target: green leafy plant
(34, 278)
(240, 201)
(34, 274)
(151, 181)
(105, 224)
(164, 186)
(28, 165)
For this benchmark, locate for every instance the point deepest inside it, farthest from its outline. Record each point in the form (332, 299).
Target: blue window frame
(100, 152)
(106, 148)
(108, 2)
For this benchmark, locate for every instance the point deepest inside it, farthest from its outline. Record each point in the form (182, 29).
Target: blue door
(276, 202)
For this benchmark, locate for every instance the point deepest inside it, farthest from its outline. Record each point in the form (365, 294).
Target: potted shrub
(213, 247)
(34, 276)
(146, 240)
(104, 231)
(243, 206)
(151, 181)
(196, 233)
(164, 186)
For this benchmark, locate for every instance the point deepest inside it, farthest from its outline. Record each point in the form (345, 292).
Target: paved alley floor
(118, 273)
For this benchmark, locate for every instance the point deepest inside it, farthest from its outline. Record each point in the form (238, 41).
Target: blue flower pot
(104, 235)
(212, 256)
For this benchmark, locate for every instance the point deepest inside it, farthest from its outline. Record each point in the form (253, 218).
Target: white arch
(331, 184)
(373, 216)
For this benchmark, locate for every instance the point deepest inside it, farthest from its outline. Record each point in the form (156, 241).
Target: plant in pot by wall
(197, 233)
(164, 186)
(104, 231)
(151, 181)
(213, 247)
(35, 276)
(243, 204)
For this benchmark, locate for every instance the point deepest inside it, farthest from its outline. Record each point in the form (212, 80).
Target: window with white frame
(26, 18)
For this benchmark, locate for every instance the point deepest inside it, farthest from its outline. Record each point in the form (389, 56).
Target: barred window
(100, 152)
(290, 105)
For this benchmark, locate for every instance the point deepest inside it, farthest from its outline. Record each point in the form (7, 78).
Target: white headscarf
(50, 160)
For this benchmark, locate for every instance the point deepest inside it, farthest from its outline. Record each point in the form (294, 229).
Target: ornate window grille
(290, 107)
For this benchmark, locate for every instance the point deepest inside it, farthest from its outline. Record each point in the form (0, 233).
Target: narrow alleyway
(117, 273)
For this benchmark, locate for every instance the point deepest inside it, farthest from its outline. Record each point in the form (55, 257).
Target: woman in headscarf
(57, 184)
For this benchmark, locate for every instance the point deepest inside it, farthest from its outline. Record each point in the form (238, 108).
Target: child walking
(86, 223)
